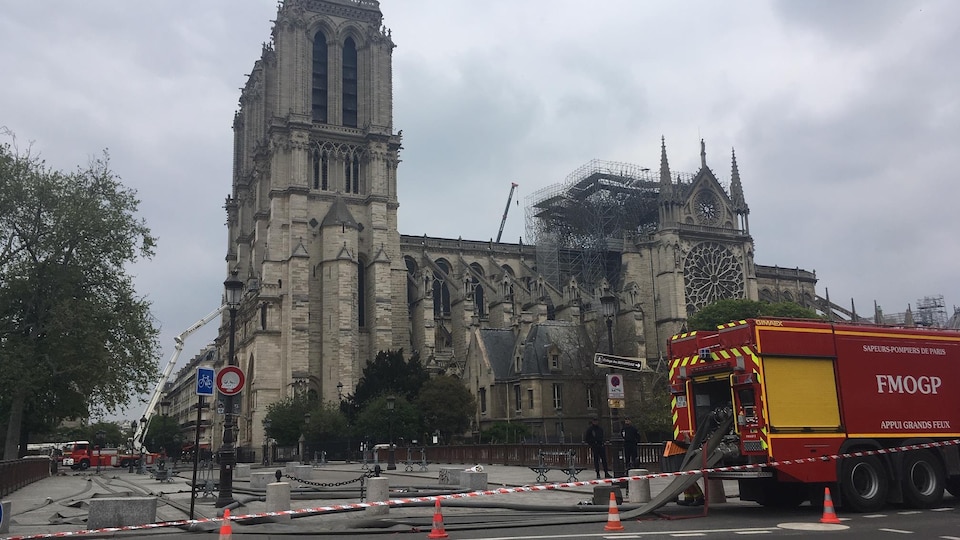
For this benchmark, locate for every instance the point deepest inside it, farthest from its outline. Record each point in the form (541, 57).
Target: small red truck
(802, 389)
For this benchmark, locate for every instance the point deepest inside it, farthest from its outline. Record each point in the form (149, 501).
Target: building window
(591, 398)
(530, 398)
(349, 93)
(517, 401)
(483, 401)
(554, 360)
(319, 78)
(517, 364)
(557, 395)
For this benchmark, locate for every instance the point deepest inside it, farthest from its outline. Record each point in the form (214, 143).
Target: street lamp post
(346, 455)
(608, 306)
(233, 288)
(392, 453)
(303, 438)
(266, 441)
(101, 435)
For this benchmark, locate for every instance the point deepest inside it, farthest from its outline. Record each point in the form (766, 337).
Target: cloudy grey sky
(845, 117)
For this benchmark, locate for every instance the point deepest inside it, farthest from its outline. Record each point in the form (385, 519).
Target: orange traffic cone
(226, 529)
(438, 530)
(829, 515)
(613, 516)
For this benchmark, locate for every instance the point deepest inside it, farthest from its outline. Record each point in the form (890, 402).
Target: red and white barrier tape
(482, 493)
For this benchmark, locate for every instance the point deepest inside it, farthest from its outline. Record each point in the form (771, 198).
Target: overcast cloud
(845, 117)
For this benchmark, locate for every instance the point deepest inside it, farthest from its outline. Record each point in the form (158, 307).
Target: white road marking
(897, 531)
(871, 516)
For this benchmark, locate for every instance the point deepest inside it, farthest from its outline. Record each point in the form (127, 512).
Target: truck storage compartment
(801, 394)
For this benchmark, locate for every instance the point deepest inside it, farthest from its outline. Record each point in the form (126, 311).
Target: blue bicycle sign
(205, 381)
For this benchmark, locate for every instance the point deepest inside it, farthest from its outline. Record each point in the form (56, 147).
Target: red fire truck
(83, 455)
(798, 393)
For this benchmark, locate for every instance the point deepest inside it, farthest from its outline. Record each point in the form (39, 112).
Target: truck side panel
(899, 384)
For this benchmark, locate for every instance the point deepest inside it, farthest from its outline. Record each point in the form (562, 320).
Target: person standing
(631, 438)
(594, 438)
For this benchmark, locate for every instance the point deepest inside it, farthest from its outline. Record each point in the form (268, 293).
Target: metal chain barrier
(361, 478)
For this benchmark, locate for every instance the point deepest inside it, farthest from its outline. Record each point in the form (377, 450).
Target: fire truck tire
(953, 486)
(923, 479)
(863, 484)
(124, 463)
(84, 464)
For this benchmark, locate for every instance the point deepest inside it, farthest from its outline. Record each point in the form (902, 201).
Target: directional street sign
(621, 362)
(230, 380)
(205, 381)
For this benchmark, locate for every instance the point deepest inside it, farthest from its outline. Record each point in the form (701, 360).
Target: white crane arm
(144, 423)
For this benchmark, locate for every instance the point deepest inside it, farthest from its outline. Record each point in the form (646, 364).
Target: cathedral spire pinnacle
(703, 154)
(736, 188)
(665, 182)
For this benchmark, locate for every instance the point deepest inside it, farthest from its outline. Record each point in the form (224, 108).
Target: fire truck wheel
(863, 484)
(84, 465)
(953, 486)
(922, 480)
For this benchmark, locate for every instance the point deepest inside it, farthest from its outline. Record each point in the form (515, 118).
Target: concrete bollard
(5, 520)
(449, 476)
(278, 499)
(473, 480)
(378, 490)
(260, 480)
(638, 491)
(715, 491)
(242, 471)
(121, 511)
(303, 472)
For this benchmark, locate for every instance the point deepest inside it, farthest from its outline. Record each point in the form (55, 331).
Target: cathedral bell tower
(312, 218)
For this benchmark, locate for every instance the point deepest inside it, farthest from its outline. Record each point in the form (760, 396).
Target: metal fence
(16, 473)
(528, 455)
(649, 455)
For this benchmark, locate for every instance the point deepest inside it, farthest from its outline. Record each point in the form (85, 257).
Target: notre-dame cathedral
(330, 281)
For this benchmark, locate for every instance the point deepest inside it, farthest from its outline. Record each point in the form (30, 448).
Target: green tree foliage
(287, 419)
(506, 433)
(389, 373)
(74, 336)
(376, 424)
(326, 422)
(164, 435)
(725, 311)
(446, 405)
(653, 417)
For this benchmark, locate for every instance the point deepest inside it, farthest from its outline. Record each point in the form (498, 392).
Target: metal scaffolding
(579, 226)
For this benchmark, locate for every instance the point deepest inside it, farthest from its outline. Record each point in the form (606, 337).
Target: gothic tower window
(356, 174)
(479, 302)
(361, 294)
(349, 83)
(320, 78)
(321, 167)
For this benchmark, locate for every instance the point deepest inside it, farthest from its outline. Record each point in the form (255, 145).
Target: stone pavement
(61, 503)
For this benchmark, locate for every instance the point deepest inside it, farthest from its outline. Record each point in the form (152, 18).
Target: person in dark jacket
(594, 438)
(631, 438)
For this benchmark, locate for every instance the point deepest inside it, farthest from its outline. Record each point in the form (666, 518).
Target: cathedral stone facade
(330, 281)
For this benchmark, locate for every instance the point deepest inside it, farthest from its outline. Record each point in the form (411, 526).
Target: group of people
(673, 455)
